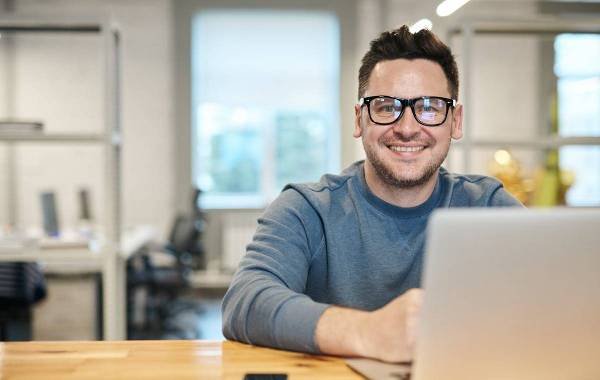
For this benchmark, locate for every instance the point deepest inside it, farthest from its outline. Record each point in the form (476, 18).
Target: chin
(407, 182)
(404, 179)
(403, 175)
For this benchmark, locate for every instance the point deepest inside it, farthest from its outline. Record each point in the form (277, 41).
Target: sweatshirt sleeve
(265, 304)
(502, 198)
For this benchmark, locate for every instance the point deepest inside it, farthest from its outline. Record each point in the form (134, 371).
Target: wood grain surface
(134, 360)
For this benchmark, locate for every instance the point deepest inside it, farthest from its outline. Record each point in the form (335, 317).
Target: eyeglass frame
(450, 103)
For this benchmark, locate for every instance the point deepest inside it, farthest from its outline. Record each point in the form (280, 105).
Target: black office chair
(160, 287)
(21, 286)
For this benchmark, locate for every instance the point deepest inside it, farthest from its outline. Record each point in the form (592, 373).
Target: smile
(407, 148)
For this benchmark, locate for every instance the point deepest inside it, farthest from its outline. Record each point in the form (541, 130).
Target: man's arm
(265, 304)
(387, 334)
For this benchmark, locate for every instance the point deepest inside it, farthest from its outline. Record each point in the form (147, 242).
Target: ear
(457, 119)
(357, 114)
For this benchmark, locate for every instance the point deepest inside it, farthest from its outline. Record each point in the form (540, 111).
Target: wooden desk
(173, 360)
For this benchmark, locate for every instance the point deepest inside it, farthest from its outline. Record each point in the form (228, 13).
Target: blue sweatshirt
(335, 243)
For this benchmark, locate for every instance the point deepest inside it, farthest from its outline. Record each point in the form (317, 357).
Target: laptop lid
(511, 294)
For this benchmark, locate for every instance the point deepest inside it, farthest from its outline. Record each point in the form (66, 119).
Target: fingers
(413, 312)
(395, 327)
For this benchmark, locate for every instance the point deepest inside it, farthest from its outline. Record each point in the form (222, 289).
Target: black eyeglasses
(430, 111)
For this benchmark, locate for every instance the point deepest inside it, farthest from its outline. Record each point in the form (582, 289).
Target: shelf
(541, 143)
(54, 137)
(52, 28)
(108, 261)
(548, 25)
(28, 25)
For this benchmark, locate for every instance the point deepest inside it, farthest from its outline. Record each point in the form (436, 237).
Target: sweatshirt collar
(395, 211)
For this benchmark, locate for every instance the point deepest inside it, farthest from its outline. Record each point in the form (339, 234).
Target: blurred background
(141, 139)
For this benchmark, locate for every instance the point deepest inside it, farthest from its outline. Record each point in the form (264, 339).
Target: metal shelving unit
(107, 258)
(468, 30)
(55, 137)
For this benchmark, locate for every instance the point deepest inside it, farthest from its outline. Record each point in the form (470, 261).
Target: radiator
(237, 231)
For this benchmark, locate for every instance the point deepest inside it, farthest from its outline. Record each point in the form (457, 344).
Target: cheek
(441, 135)
(382, 136)
(369, 132)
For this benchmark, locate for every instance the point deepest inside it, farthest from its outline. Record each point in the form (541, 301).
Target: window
(577, 66)
(265, 103)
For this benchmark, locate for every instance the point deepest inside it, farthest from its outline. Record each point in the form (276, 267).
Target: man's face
(406, 154)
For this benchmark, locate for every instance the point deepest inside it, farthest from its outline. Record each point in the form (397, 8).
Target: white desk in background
(71, 254)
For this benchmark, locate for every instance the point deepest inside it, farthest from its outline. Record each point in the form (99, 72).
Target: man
(335, 266)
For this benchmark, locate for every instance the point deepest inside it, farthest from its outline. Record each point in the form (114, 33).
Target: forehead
(405, 78)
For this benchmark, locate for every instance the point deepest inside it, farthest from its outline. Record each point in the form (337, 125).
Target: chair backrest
(21, 283)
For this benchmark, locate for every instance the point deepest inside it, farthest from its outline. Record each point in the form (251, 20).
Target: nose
(407, 127)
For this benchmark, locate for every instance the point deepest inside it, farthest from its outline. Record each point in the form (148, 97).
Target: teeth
(406, 148)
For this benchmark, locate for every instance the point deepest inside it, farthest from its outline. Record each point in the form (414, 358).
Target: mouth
(407, 151)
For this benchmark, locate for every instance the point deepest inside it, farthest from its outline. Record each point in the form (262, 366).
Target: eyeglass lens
(430, 111)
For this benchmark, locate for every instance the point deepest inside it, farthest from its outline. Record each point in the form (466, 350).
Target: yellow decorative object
(508, 170)
(548, 186)
(551, 183)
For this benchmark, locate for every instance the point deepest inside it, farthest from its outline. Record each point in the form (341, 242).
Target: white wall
(59, 79)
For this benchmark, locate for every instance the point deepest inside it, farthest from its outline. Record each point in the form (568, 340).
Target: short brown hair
(401, 43)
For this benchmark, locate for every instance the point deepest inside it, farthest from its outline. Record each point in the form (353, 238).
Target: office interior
(116, 119)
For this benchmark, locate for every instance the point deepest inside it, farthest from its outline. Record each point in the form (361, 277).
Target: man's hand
(390, 333)
(387, 334)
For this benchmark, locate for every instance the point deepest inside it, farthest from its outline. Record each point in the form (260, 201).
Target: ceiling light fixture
(423, 23)
(447, 7)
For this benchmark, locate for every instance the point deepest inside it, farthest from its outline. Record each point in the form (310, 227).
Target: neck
(399, 196)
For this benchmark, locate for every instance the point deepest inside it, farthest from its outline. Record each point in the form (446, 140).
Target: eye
(384, 106)
(430, 106)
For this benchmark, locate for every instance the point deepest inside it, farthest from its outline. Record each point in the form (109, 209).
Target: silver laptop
(509, 294)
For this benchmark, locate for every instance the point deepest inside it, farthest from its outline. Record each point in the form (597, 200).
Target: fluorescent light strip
(423, 23)
(447, 7)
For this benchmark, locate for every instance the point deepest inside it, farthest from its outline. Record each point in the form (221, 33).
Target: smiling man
(403, 158)
(335, 266)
